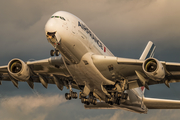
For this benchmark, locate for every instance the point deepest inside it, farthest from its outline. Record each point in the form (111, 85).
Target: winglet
(148, 51)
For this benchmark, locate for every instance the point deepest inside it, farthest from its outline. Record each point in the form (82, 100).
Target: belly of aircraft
(86, 73)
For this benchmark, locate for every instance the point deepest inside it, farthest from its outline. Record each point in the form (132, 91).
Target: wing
(46, 71)
(137, 72)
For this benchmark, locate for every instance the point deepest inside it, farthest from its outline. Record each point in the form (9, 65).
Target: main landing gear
(90, 100)
(54, 52)
(71, 94)
(116, 98)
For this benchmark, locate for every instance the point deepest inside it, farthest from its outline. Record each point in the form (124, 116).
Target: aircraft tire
(57, 53)
(52, 52)
(94, 102)
(90, 100)
(83, 100)
(68, 96)
(111, 103)
(106, 100)
(87, 103)
(74, 95)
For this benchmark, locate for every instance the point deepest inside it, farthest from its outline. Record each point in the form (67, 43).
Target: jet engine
(154, 69)
(18, 70)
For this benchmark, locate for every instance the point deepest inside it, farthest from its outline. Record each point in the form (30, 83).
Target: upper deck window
(59, 17)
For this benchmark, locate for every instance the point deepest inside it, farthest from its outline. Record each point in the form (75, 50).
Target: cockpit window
(62, 18)
(59, 17)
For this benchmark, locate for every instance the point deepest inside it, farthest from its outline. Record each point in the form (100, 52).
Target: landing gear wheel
(52, 52)
(111, 103)
(94, 102)
(74, 95)
(87, 103)
(83, 100)
(57, 53)
(68, 96)
(118, 101)
(90, 100)
(125, 96)
(106, 100)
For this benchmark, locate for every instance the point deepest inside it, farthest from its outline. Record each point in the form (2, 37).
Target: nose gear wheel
(54, 52)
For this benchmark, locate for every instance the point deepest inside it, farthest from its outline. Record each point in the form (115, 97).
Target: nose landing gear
(54, 52)
(116, 98)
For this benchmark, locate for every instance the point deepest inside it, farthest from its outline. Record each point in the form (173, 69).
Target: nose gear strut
(71, 94)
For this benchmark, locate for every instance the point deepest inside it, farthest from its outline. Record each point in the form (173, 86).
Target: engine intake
(154, 69)
(150, 65)
(18, 70)
(15, 66)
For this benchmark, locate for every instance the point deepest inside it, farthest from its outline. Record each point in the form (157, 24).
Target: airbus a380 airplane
(88, 65)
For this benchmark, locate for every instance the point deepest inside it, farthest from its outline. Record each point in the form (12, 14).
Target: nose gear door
(53, 38)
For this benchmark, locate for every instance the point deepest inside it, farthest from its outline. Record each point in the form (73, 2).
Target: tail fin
(148, 51)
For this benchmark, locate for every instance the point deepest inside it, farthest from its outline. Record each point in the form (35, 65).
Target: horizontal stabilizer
(152, 103)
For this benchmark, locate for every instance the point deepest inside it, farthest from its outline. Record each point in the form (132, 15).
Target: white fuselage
(77, 43)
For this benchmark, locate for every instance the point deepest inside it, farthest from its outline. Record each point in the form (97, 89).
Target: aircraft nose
(50, 26)
(52, 32)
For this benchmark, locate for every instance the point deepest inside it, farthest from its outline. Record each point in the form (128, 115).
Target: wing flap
(173, 68)
(152, 103)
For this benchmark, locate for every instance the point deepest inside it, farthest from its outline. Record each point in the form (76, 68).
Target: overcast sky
(124, 26)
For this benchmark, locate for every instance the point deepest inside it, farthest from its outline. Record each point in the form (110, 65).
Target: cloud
(162, 114)
(99, 117)
(121, 115)
(116, 115)
(29, 107)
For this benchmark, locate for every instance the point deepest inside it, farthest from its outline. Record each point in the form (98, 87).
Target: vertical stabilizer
(148, 51)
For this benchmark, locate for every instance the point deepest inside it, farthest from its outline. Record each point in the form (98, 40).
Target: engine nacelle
(154, 69)
(18, 70)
